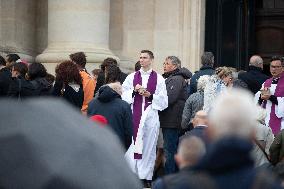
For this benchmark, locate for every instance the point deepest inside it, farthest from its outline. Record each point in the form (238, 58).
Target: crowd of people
(215, 128)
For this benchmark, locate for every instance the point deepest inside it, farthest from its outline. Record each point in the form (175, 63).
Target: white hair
(116, 87)
(202, 81)
(233, 113)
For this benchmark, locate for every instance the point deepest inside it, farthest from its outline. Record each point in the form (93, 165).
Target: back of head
(233, 114)
(116, 87)
(223, 71)
(202, 81)
(79, 58)
(107, 62)
(67, 72)
(256, 60)
(191, 149)
(36, 70)
(2, 61)
(207, 59)
(137, 66)
(12, 58)
(45, 143)
(112, 73)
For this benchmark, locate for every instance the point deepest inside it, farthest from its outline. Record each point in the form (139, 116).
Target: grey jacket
(193, 104)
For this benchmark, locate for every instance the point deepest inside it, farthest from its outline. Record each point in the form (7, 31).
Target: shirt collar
(145, 73)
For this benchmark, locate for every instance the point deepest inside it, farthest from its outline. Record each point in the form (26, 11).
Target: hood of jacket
(107, 94)
(184, 72)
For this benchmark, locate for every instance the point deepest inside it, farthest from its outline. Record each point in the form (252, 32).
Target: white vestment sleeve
(279, 109)
(127, 89)
(160, 97)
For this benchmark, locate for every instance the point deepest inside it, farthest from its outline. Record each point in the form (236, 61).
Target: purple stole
(138, 101)
(274, 121)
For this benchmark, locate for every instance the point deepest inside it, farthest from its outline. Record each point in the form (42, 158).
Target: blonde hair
(222, 72)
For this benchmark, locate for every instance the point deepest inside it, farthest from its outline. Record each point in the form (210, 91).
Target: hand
(265, 96)
(146, 94)
(137, 87)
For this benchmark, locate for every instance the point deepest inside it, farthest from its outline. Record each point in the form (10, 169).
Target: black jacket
(254, 78)
(43, 87)
(177, 95)
(116, 111)
(5, 80)
(21, 88)
(204, 70)
(69, 94)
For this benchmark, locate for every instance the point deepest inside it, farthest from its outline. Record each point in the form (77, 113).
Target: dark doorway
(237, 29)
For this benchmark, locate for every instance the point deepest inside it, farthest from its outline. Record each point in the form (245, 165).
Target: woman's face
(15, 73)
(228, 79)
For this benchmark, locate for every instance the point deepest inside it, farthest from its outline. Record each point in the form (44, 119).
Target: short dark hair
(2, 61)
(12, 57)
(21, 68)
(79, 58)
(137, 66)
(107, 62)
(207, 59)
(150, 53)
(36, 70)
(274, 58)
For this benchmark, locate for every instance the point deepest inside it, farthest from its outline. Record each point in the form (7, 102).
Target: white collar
(145, 73)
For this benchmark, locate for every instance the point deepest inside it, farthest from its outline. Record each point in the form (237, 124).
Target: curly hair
(112, 74)
(79, 58)
(68, 72)
(36, 70)
(222, 72)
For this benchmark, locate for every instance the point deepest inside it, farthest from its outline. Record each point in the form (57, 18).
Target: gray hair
(207, 59)
(202, 81)
(191, 149)
(255, 60)
(233, 113)
(175, 61)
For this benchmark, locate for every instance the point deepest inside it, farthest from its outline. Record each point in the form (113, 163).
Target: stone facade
(48, 31)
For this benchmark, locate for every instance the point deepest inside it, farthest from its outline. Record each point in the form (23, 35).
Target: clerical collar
(275, 80)
(145, 73)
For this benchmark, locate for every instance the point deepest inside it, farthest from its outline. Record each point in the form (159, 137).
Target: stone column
(77, 26)
(193, 33)
(17, 28)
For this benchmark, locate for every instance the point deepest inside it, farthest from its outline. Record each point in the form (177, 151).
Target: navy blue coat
(109, 104)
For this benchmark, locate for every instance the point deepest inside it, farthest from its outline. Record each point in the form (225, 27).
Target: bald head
(200, 118)
(190, 150)
(256, 61)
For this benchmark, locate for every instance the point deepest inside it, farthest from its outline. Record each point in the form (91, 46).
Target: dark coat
(198, 131)
(204, 70)
(177, 95)
(46, 144)
(277, 148)
(5, 80)
(185, 179)
(254, 78)
(43, 87)
(21, 88)
(75, 98)
(116, 111)
(230, 164)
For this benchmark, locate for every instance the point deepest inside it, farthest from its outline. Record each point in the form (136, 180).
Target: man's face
(169, 66)
(276, 68)
(145, 60)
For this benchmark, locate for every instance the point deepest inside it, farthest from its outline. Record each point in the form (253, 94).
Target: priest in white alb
(146, 91)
